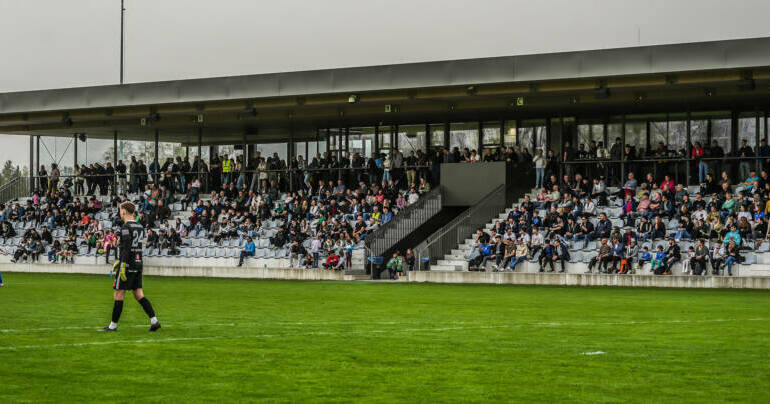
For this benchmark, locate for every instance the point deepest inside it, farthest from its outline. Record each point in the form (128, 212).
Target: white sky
(53, 44)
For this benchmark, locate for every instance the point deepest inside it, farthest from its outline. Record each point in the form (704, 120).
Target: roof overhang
(270, 106)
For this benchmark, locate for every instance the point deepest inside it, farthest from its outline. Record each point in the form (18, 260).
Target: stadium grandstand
(506, 201)
(581, 161)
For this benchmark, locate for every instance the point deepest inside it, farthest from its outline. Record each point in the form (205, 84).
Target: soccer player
(128, 271)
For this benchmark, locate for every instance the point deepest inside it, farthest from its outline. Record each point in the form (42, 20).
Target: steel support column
(32, 169)
(376, 139)
(74, 151)
(155, 159)
(757, 163)
(688, 155)
(622, 150)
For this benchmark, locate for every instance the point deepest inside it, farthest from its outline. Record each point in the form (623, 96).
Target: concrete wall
(509, 278)
(213, 272)
(499, 278)
(465, 184)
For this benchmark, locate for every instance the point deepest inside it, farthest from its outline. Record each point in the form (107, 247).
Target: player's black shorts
(133, 280)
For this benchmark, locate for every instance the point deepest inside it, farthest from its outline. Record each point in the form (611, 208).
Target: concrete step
(463, 264)
(436, 267)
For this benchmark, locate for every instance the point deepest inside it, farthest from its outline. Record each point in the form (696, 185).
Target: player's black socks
(147, 307)
(117, 308)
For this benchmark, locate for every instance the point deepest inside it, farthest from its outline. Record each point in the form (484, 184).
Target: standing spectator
(745, 153)
(539, 162)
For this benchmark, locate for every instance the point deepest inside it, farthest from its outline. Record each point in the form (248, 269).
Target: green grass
(226, 340)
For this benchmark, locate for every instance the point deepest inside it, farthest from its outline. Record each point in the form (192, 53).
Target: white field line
(279, 323)
(322, 333)
(593, 353)
(322, 323)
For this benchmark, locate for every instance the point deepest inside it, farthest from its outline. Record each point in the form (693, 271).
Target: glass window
(299, 150)
(699, 132)
(658, 134)
(385, 134)
(721, 133)
(268, 149)
(361, 141)
(411, 138)
(509, 138)
(527, 139)
(437, 135)
(58, 150)
(541, 141)
(636, 136)
(322, 147)
(464, 135)
(597, 133)
(92, 151)
(747, 130)
(584, 135)
(677, 136)
(490, 134)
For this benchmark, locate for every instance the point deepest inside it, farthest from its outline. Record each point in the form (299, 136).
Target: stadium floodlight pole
(122, 15)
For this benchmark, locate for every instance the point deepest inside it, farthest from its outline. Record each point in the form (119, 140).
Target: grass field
(242, 340)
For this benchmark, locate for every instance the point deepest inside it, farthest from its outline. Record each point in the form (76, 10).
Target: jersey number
(136, 238)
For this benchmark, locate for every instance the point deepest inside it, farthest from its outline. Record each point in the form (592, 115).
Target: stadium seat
(576, 256)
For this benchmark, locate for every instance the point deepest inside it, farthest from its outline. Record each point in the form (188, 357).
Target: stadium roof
(268, 107)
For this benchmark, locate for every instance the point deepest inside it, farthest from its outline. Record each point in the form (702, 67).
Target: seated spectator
(658, 263)
(53, 253)
(248, 250)
(644, 257)
(547, 257)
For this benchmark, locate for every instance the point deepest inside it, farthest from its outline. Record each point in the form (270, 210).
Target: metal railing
(16, 188)
(682, 169)
(405, 222)
(450, 236)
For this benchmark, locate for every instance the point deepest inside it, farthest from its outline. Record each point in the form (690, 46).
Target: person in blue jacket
(248, 250)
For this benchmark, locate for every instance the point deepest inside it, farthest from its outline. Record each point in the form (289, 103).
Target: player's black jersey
(131, 243)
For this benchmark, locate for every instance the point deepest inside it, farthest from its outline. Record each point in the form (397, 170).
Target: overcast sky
(53, 44)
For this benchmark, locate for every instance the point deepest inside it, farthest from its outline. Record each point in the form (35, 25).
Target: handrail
(448, 236)
(456, 221)
(15, 188)
(414, 216)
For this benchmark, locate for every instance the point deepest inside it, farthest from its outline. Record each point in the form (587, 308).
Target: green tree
(8, 172)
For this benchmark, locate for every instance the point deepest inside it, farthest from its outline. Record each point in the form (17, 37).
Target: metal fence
(449, 236)
(404, 223)
(682, 169)
(13, 189)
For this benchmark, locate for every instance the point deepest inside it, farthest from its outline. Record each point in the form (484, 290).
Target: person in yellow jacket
(227, 168)
(377, 215)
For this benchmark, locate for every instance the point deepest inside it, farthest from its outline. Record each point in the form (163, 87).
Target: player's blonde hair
(128, 207)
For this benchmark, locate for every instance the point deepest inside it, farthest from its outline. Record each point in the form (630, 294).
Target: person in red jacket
(697, 154)
(331, 261)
